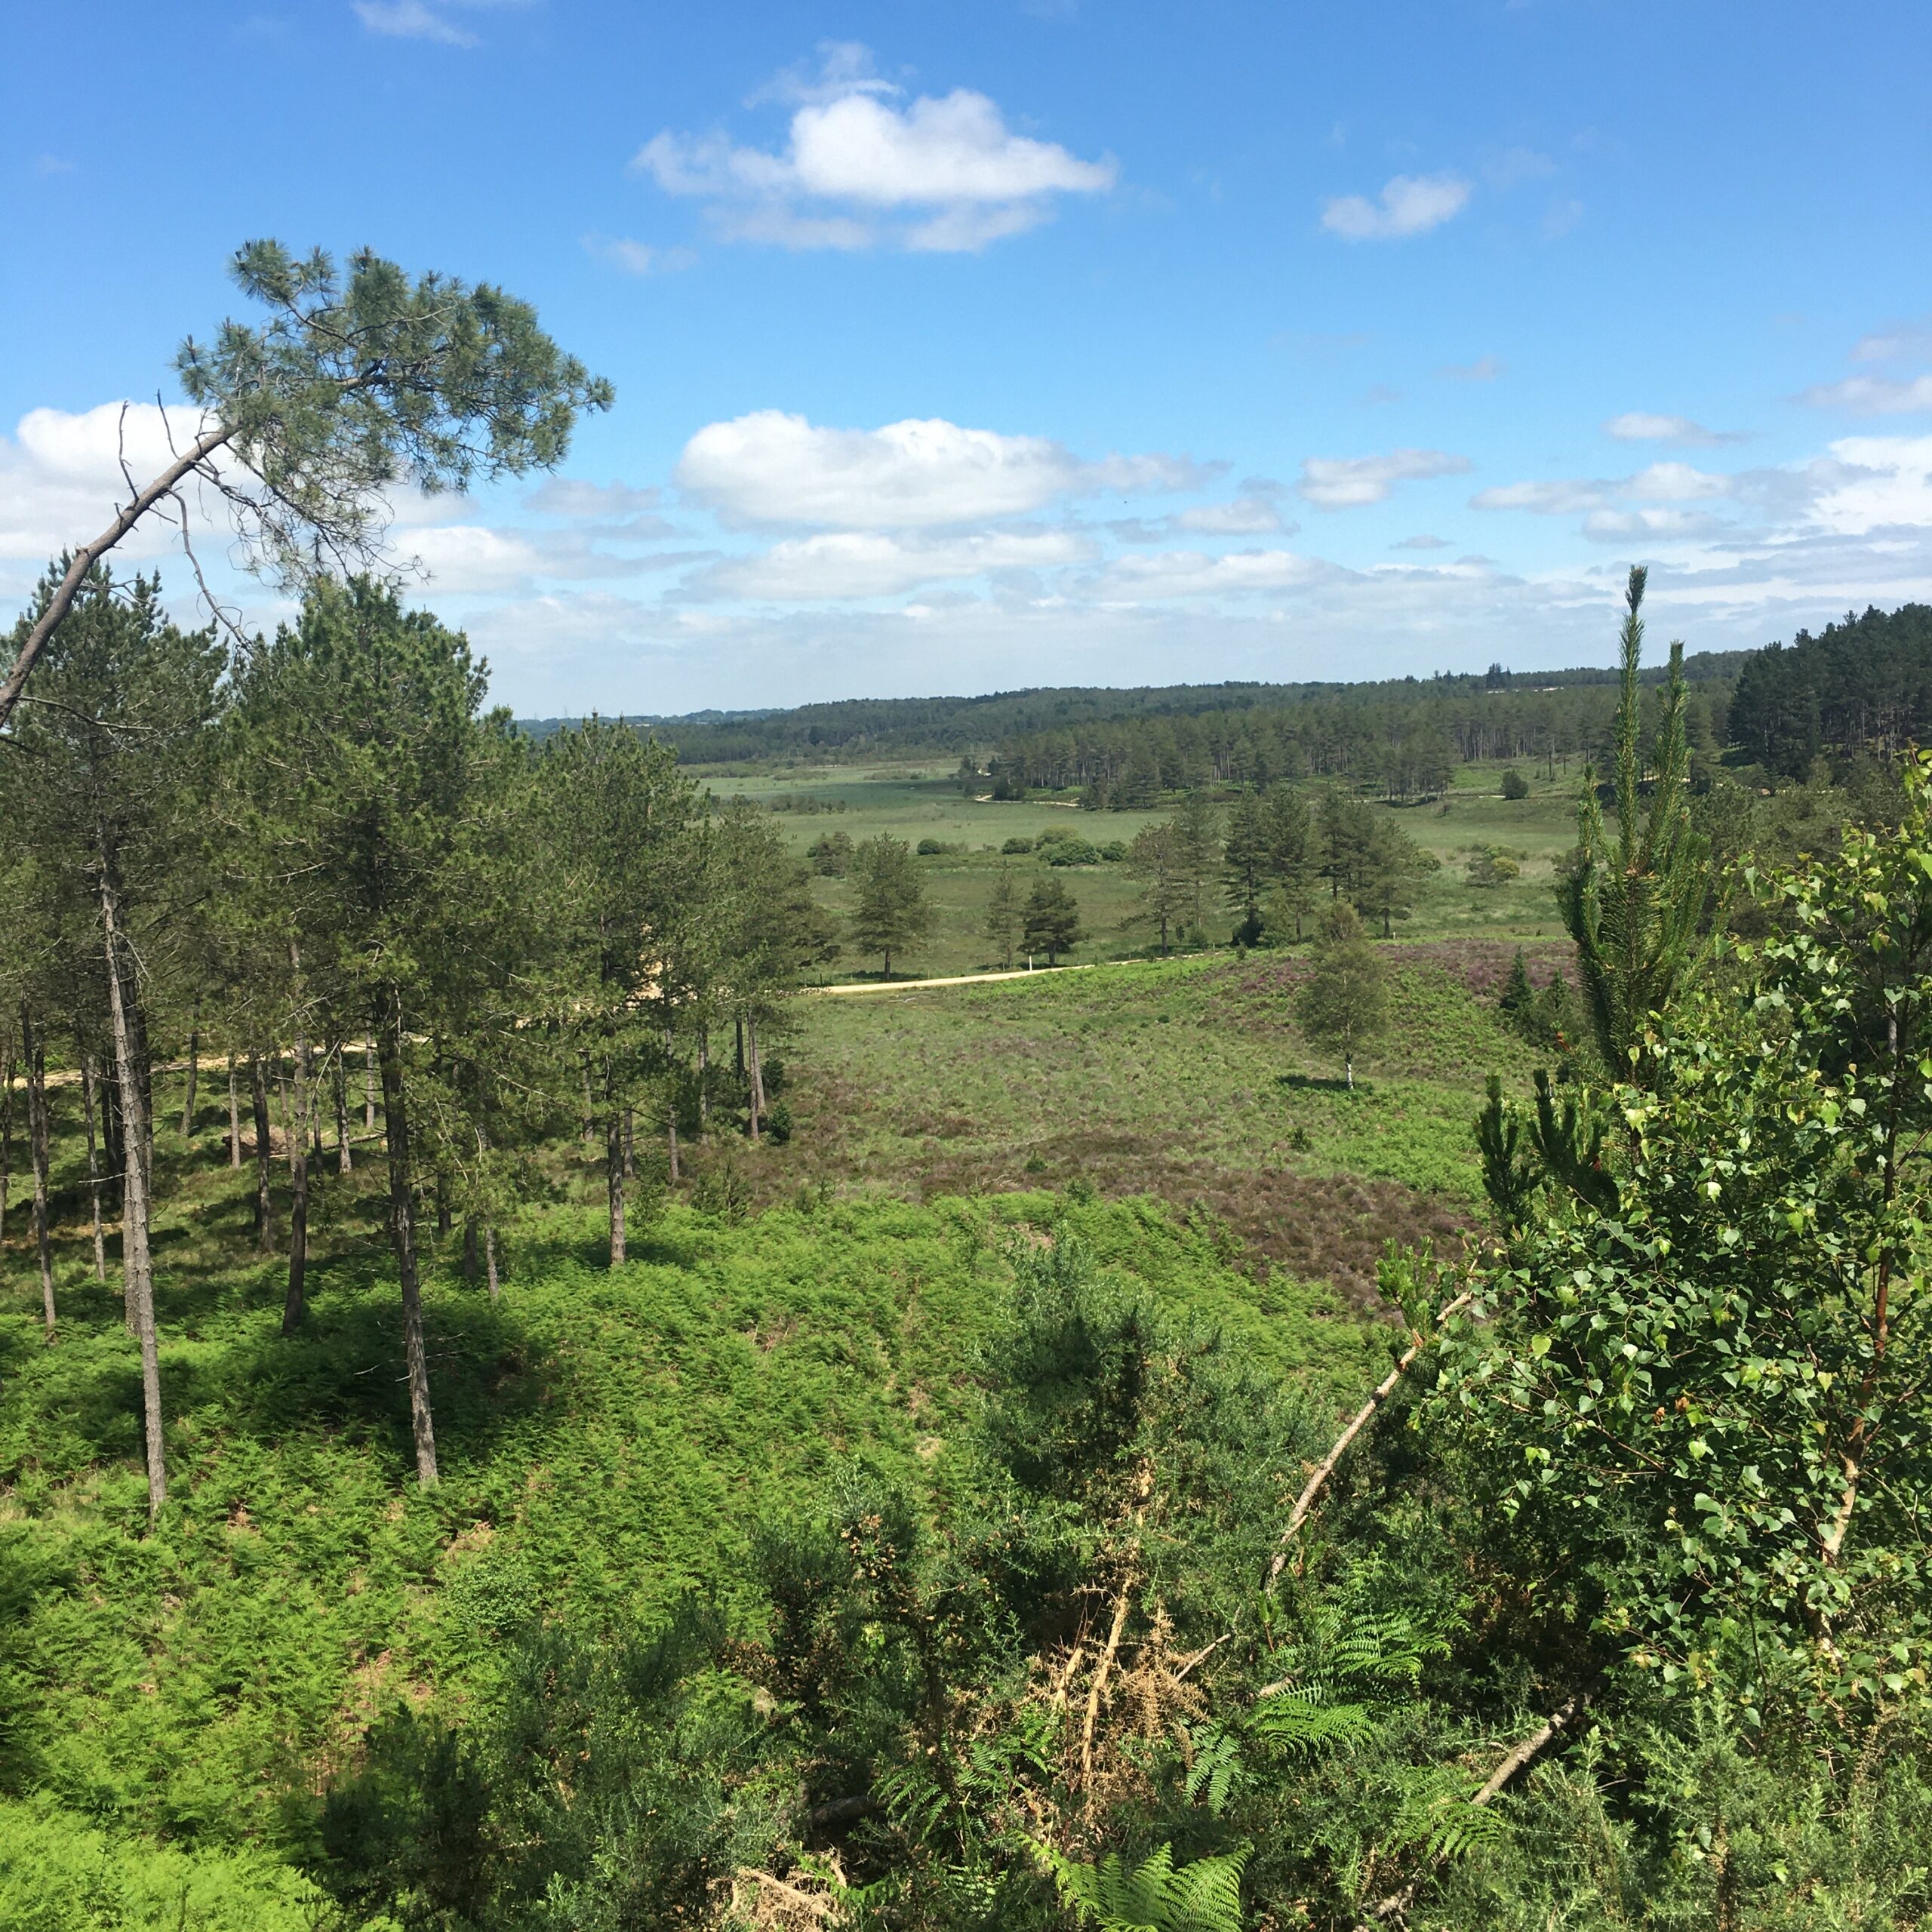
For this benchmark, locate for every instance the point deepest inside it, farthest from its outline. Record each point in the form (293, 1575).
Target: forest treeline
(845, 729)
(1862, 684)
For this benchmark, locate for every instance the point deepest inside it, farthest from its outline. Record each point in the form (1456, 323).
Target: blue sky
(960, 347)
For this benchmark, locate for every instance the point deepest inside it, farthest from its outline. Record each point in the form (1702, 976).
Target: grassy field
(1186, 1080)
(914, 801)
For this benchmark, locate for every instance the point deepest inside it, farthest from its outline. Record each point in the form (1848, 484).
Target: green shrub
(1016, 845)
(1071, 851)
(1515, 785)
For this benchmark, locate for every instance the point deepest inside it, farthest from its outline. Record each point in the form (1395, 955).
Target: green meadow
(914, 800)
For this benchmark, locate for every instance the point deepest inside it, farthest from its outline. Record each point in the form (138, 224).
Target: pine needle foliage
(1633, 908)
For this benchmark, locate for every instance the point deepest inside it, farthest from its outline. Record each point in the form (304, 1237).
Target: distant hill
(850, 728)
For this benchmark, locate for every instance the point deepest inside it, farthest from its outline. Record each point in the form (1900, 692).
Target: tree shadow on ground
(1318, 1083)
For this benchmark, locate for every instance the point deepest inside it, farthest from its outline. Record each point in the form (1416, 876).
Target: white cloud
(859, 564)
(1677, 483)
(1409, 205)
(1514, 166)
(1661, 526)
(1880, 482)
(1171, 573)
(771, 467)
(1873, 395)
(1556, 496)
(1560, 219)
(1484, 369)
(1904, 342)
(1641, 425)
(1347, 482)
(1245, 516)
(637, 258)
(948, 166)
(410, 20)
(573, 496)
(61, 475)
(1423, 542)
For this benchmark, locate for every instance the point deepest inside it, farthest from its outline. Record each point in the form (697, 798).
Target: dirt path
(965, 979)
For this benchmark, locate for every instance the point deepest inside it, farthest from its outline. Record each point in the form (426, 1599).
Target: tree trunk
(114, 1147)
(264, 1201)
(613, 1177)
(589, 1105)
(490, 1261)
(703, 1082)
(343, 1164)
(445, 1219)
(630, 1144)
(402, 1235)
(738, 1062)
(292, 1303)
(369, 1085)
(6, 1126)
(94, 1165)
(234, 1117)
(34, 1055)
(137, 1030)
(194, 1070)
(1349, 1069)
(135, 1267)
(757, 1084)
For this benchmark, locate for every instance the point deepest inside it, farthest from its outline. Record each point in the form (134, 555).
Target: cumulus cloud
(1873, 395)
(941, 174)
(1409, 205)
(1902, 342)
(1421, 542)
(861, 564)
(61, 474)
(1484, 369)
(1676, 483)
(1875, 483)
(773, 468)
(575, 497)
(1347, 482)
(1641, 425)
(1661, 526)
(1245, 516)
(1554, 496)
(1172, 573)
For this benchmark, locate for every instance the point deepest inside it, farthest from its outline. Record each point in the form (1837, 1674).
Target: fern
(1298, 1721)
(1440, 1817)
(1217, 1772)
(1155, 1895)
(1339, 1650)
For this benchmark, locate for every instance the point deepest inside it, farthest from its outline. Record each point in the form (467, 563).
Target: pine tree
(1290, 863)
(1245, 863)
(1051, 922)
(1001, 925)
(893, 915)
(1155, 858)
(1633, 908)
